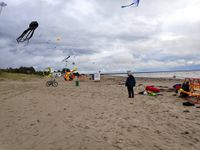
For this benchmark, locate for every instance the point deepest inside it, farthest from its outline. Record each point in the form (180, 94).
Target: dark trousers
(130, 91)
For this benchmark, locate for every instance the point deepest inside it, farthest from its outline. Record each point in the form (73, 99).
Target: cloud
(157, 35)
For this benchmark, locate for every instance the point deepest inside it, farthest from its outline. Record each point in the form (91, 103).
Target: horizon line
(137, 72)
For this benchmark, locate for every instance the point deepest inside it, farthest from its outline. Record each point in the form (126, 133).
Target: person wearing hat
(130, 83)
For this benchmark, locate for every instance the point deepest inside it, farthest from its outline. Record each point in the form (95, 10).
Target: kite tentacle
(128, 5)
(32, 32)
(19, 39)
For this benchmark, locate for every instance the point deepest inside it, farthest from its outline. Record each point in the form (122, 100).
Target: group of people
(131, 82)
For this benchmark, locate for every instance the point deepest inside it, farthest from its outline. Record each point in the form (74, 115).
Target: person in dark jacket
(185, 87)
(130, 83)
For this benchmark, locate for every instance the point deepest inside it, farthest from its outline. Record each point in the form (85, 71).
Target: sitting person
(177, 87)
(185, 87)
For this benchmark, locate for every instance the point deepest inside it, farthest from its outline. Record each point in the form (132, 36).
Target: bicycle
(54, 83)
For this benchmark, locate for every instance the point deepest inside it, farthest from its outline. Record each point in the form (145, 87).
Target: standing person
(130, 83)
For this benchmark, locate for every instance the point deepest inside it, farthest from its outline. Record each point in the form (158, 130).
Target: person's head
(186, 81)
(129, 73)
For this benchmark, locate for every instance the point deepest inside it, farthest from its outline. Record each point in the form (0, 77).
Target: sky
(100, 35)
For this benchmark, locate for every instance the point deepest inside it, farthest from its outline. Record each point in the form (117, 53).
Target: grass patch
(18, 76)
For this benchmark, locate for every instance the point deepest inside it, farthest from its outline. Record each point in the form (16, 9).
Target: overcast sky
(100, 35)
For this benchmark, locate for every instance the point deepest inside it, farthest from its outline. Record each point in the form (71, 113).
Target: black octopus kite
(28, 33)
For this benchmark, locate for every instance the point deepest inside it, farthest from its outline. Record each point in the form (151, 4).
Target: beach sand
(95, 116)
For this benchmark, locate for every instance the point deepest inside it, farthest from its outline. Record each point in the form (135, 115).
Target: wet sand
(95, 116)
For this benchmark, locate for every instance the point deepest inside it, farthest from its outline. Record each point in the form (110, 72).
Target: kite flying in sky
(28, 33)
(66, 58)
(135, 2)
(2, 4)
(73, 63)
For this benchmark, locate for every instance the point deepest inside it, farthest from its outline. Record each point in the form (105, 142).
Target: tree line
(31, 70)
(25, 70)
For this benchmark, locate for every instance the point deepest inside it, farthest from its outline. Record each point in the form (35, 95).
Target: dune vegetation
(17, 76)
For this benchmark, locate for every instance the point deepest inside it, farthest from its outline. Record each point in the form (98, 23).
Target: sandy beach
(95, 116)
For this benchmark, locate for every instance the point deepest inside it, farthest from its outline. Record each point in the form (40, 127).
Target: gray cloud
(143, 38)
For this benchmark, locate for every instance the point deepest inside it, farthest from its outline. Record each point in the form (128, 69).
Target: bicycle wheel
(48, 83)
(55, 84)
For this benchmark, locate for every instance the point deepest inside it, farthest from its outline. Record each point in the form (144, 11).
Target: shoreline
(145, 78)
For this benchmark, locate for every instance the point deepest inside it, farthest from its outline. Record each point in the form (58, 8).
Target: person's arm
(126, 84)
(134, 81)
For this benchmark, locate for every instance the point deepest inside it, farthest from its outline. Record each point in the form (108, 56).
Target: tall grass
(18, 76)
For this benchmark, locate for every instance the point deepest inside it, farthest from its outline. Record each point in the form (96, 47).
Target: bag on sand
(152, 89)
(188, 104)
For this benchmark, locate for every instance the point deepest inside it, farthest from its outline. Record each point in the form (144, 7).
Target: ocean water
(178, 75)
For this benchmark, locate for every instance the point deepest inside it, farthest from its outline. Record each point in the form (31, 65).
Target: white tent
(97, 76)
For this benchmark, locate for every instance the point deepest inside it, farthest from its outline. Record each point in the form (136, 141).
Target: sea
(165, 74)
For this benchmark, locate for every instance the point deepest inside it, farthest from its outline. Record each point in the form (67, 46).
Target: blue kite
(135, 2)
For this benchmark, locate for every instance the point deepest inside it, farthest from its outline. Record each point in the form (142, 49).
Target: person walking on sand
(130, 83)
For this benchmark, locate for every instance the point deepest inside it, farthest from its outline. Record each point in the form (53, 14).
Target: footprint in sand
(36, 134)
(49, 114)
(186, 133)
(129, 129)
(186, 111)
(32, 124)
